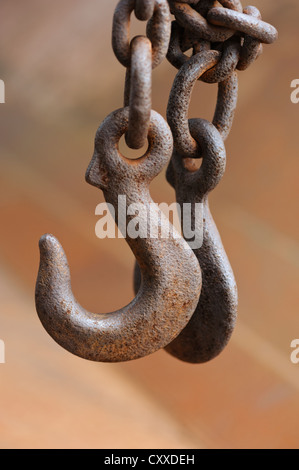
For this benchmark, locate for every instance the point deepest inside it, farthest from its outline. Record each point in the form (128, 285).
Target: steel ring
(252, 48)
(175, 54)
(116, 164)
(241, 22)
(227, 64)
(226, 105)
(138, 92)
(204, 179)
(190, 19)
(158, 31)
(179, 101)
(235, 5)
(144, 9)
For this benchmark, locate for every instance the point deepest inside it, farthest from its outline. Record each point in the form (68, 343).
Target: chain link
(140, 56)
(252, 48)
(138, 91)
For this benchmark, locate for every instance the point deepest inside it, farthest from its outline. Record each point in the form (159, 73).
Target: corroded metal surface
(158, 31)
(138, 92)
(144, 9)
(212, 324)
(171, 277)
(168, 310)
(247, 24)
(192, 20)
(228, 61)
(252, 48)
(180, 96)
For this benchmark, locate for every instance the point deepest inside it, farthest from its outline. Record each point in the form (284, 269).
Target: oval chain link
(140, 56)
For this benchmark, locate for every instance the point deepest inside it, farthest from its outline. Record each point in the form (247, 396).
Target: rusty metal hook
(212, 324)
(213, 321)
(171, 276)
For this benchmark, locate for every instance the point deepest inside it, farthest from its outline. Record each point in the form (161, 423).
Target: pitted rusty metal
(226, 105)
(189, 18)
(180, 96)
(227, 63)
(144, 9)
(191, 21)
(172, 309)
(138, 92)
(241, 22)
(252, 48)
(213, 321)
(171, 276)
(230, 55)
(158, 31)
(180, 43)
(232, 5)
(203, 6)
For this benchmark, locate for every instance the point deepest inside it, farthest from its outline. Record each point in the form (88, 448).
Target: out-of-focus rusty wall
(61, 80)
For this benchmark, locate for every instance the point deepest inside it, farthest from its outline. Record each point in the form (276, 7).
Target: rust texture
(138, 92)
(186, 299)
(192, 20)
(252, 48)
(213, 322)
(144, 9)
(158, 31)
(180, 96)
(247, 24)
(171, 277)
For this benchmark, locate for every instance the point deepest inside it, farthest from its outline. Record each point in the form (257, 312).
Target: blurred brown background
(61, 80)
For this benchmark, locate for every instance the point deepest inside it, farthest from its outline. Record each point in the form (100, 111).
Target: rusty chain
(186, 300)
(140, 56)
(223, 39)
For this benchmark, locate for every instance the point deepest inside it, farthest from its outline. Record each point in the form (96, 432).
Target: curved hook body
(212, 323)
(171, 277)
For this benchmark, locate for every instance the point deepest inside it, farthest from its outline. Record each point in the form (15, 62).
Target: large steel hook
(212, 324)
(213, 321)
(171, 276)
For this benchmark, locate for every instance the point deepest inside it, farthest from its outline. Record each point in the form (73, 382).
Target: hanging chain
(140, 56)
(187, 295)
(223, 40)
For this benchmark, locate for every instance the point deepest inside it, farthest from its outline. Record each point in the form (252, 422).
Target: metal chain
(223, 40)
(140, 56)
(235, 34)
(187, 299)
(171, 276)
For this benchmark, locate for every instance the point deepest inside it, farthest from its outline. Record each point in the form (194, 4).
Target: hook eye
(205, 178)
(109, 165)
